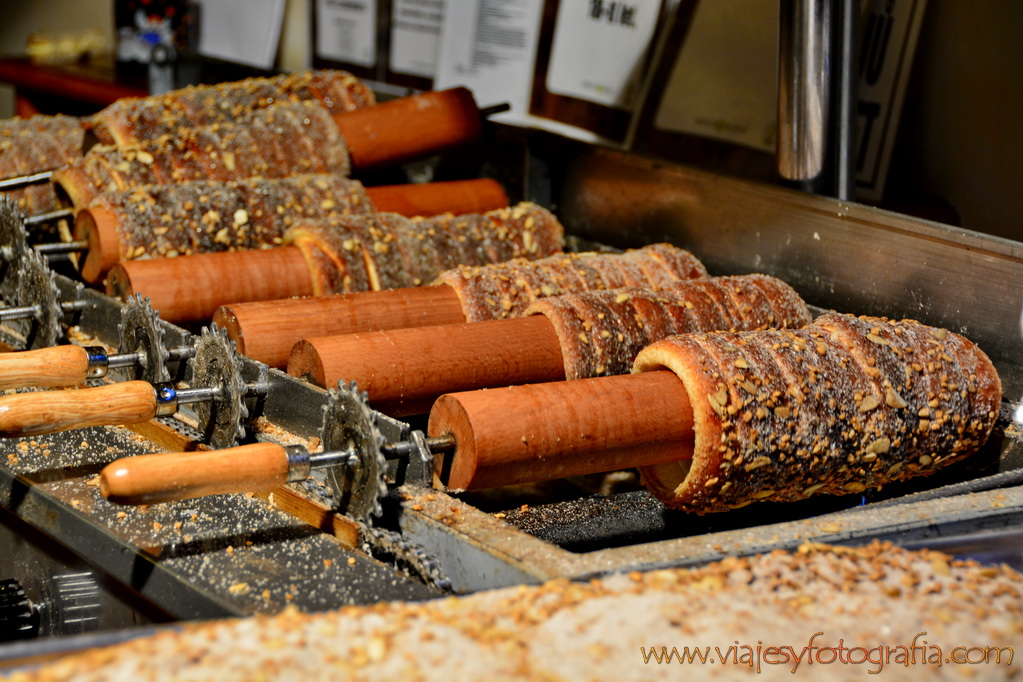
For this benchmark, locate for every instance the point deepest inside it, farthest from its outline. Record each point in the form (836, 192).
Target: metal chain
(378, 541)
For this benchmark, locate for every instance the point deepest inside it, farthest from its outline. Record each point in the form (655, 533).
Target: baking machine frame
(248, 554)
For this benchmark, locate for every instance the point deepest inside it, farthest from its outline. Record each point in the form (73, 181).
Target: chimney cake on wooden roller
(132, 120)
(279, 140)
(350, 253)
(205, 216)
(575, 336)
(718, 421)
(267, 330)
(35, 144)
(844, 405)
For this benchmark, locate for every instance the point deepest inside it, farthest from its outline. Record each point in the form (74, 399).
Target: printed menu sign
(415, 31)
(599, 48)
(346, 31)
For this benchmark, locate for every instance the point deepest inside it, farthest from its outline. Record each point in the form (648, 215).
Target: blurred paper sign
(489, 46)
(346, 31)
(599, 47)
(415, 32)
(242, 31)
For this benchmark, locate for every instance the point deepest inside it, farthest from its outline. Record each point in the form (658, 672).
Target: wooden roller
(267, 330)
(573, 336)
(98, 226)
(402, 129)
(189, 288)
(719, 421)
(506, 436)
(404, 370)
(256, 467)
(36, 413)
(528, 433)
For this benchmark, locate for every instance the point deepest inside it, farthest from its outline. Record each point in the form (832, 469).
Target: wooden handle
(267, 330)
(189, 289)
(183, 475)
(98, 226)
(568, 428)
(31, 414)
(411, 127)
(405, 370)
(55, 366)
(433, 198)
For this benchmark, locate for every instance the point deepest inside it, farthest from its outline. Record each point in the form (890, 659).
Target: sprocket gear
(32, 283)
(140, 333)
(349, 423)
(13, 236)
(216, 365)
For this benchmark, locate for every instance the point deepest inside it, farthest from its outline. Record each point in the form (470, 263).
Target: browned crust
(601, 332)
(507, 289)
(840, 406)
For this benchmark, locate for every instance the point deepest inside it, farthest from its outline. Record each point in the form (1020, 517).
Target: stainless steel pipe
(816, 95)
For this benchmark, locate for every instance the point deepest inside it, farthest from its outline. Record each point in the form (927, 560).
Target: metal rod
(180, 353)
(495, 109)
(23, 180)
(348, 456)
(119, 360)
(186, 396)
(20, 313)
(843, 132)
(324, 460)
(72, 306)
(41, 218)
(436, 445)
(55, 248)
(803, 87)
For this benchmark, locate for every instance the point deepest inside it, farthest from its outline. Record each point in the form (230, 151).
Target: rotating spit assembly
(190, 480)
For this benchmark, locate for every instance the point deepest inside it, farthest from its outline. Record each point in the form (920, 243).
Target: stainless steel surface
(838, 255)
(220, 556)
(479, 551)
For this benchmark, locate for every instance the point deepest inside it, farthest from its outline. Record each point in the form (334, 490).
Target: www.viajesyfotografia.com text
(917, 652)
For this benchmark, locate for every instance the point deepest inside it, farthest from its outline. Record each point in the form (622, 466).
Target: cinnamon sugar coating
(840, 406)
(167, 220)
(395, 251)
(35, 144)
(601, 332)
(508, 289)
(274, 142)
(132, 120)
